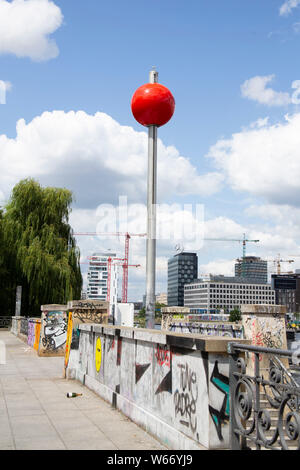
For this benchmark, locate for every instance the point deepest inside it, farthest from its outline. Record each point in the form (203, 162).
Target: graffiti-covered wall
(232, 330)
(265, 326)
(80, 312)
(187, 323)
(53, 330)
(27, 329)
(34, 331)
(174, 386)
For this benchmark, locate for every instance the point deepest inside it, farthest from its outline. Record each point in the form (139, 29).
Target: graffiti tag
(186, 398)
(163, 356)
(220, 416)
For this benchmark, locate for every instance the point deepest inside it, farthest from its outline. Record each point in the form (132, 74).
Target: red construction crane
(124, 292)
(126, 257)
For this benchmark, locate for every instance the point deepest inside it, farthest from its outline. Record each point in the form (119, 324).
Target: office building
(217, 294)
(98, 279)
(162, 298)
(287, 291)
(182, 269)
(252, 268)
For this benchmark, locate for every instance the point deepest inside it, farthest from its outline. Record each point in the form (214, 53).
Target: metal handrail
(5, 322)
(271, 420)
(259, 349)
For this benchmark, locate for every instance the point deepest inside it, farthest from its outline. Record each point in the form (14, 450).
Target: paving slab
(35, 413)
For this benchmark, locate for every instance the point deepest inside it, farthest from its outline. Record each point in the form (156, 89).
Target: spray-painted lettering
(185, 399)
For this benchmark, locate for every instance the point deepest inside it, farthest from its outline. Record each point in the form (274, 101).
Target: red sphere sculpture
(153, 105)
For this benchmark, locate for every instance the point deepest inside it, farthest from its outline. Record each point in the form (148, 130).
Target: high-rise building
(252, 268)
(287, 291)
(98, 279)
(216, 293)
(182, 269)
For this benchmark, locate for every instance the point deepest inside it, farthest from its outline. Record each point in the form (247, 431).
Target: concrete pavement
(35, 413)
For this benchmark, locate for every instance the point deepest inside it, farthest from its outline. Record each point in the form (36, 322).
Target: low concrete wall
(264, 325)
(175, 386)
(53, 334)
(16, 325)
(28, 330)
(187, 323)
(231, 330)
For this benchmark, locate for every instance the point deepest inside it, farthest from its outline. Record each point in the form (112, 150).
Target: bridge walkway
(35, 413)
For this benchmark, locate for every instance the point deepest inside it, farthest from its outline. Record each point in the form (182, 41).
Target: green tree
(42, 252)
(142, 317)
(6, 297)
(142, 314)
(235, 315)
(158, 308)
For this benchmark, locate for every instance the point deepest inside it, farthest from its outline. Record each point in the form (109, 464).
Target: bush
(235, 315)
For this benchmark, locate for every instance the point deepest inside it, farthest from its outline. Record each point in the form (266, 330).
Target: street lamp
(152, 105)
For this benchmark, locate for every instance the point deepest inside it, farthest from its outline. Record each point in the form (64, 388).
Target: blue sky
(230, 66)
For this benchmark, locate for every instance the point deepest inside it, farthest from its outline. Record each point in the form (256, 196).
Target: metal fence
(5, 322)
(264, 401)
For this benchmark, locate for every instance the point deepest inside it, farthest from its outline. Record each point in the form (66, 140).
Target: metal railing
(264, 401)
(5, 322)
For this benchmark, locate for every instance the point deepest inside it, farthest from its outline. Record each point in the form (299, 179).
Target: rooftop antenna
(179, 249)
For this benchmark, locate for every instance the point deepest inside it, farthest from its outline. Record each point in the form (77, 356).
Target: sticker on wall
(69, 339)
(98, 355)
(37, 336)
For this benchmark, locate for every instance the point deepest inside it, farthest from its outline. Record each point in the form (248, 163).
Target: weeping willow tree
(6, 298)
(42, 253)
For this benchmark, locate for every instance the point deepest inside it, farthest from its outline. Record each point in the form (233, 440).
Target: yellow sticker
(37, 336)
(69, 339)
(98, 354)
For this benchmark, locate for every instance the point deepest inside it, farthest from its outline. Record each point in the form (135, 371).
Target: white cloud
(256, 89)
(279, 214)
(279, 236)
(224, 267)
(264, 162)
(261, 122)
(287, 7)
(97, 158)
(25, 27)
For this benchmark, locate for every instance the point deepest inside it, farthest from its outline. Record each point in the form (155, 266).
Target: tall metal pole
(151, 219)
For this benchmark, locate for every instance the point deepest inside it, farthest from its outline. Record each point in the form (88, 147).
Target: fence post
(235, 443)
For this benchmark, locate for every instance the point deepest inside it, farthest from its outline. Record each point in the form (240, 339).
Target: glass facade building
(182, 269)
(252, 268)
(98, 278)
(287, 288)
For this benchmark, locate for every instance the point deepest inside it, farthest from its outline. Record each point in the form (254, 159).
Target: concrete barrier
(34, 332)
(231, 330)
(16, 325)
(53, 332)
(27, 329)
(264, 325)
(175, 386)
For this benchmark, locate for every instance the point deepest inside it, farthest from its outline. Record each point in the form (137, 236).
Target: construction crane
(244, 240)
(125, 264)
(278, 260)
